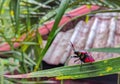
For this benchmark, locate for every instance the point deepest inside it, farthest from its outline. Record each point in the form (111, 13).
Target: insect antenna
(72, 46)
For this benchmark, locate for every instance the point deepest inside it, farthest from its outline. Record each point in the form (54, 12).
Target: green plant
(17, 17)
(100, 68)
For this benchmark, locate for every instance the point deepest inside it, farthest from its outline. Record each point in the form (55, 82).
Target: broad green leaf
(86, 70)
(108, 50)
(106, 3)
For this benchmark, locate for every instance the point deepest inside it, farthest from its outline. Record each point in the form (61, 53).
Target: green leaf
(18, 55)
(15, 7)
(86, 70)
(106, 3)
(108, 50)
(7, 62)
(61, 10)
(1, 5)
(29, 43)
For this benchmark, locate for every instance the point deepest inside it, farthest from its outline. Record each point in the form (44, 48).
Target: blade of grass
(99, 68)
(61, 10)
(104, 3)
(39, 39)
(7, 62)
(48, 16)
(15, 8)
(18, 56)
(17, 14)
(1, 5)
(28, 19)
(24, 67)
(107, 50)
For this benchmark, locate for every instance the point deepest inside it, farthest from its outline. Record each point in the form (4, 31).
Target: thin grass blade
(59, 15)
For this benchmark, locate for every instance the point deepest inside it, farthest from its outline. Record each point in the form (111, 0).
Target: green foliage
(108, 50)
(59, 15)
(25, 16)
(105, 3)
(86, 70)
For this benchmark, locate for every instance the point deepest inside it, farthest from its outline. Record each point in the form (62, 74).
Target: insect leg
(80, 64)
(74, 57)
(76, 60)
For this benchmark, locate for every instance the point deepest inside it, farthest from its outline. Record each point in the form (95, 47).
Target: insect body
(84, 56)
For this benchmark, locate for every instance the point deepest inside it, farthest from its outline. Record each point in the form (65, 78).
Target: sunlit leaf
(107, 50)
(61, 10)
(100, 68)
(105, 3)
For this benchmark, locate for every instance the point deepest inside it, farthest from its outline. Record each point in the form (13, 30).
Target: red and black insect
(84, 56)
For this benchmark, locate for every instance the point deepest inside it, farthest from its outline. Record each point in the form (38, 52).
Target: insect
(84, 56)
